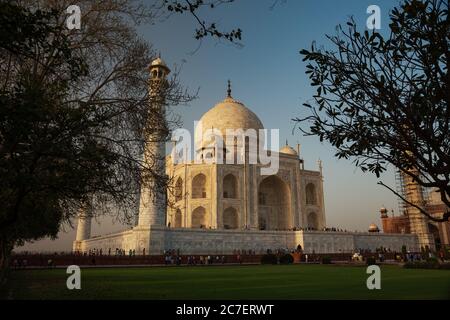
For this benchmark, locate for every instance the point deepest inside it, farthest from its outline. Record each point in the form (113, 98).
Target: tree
(75, 114)
(204, 29)
(384, 100)
(43, 147)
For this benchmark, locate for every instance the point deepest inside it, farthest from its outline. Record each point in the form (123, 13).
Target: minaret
(384, 219)
(83, 227)
(418, 222)
(152, 207)
(319, 163)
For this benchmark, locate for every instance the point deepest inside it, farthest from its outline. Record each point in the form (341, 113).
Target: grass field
(231, 282)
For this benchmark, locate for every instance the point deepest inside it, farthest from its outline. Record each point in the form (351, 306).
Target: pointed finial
(229, 89)
(286, 142)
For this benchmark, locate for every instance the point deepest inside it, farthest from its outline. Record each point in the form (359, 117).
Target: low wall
(64, 260)
(157, 240)
(42, 260)
(136, 239)
(334, 242)
(204, 241)
(387, 240)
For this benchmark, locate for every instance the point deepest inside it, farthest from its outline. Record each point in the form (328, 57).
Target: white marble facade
(218, 208)
(154, 240)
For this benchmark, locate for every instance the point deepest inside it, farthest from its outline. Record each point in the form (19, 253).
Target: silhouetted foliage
(45, 153)
(286, 259)
(384, 100)
(269, 258)
(371, 261)
(205, 28)
(326, 260)
(426, 265)
(75, 115)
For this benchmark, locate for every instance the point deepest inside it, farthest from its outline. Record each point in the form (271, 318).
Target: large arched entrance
(274, 204)
(434, 230)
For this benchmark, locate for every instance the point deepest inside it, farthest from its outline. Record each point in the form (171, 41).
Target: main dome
(228, 114)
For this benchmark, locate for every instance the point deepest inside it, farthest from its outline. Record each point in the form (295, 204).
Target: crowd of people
(328, 229)
(176, 257)
(197, 260)
(132, 253)
(100, 252)
(20, 263)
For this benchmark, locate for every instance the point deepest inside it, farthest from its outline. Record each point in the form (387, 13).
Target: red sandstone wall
(396, 225)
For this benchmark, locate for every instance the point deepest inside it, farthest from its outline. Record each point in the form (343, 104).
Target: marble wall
(156, 240)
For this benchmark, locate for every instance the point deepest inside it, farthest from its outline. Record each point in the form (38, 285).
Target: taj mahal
(217, 208)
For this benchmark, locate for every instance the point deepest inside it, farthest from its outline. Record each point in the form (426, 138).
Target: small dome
(373, 228)
(158, 62)
(383, 212)
(228, 114)
(288, 150)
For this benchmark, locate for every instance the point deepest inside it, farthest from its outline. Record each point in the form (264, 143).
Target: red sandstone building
(440, 231)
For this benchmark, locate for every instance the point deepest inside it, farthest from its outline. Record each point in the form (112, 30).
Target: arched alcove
(230, 218)
(311, 196)
(199, 218)
(230, 186)
(178, 219)
(274, 204)
(313, 221)
(199, 186)
(179, 190)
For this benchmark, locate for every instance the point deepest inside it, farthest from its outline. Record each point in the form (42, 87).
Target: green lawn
(232, 282)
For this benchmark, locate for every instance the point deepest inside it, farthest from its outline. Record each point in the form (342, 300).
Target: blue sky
(267, 75)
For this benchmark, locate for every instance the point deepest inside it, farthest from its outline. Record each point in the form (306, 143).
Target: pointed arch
(199, 186)
(274, 204)
(178, 219)
(313, 221)
(179, 189)
(230, 218)
(230, 186)
(434, 230)
(199, 218)
(311, 194)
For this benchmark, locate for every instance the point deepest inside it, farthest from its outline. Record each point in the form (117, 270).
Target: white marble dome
(373, 228)
(158, 68)
(158, 62)
(228, 114)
